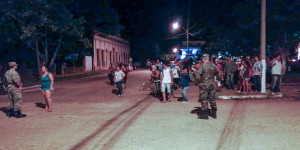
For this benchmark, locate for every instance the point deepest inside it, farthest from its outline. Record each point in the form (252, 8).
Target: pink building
(109, 49)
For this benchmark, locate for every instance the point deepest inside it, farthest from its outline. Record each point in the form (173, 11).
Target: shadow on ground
(40, 105)
(115, 91)
(197, 111)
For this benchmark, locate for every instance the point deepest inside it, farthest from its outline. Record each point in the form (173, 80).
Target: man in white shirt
(276, 75)
(166, 82)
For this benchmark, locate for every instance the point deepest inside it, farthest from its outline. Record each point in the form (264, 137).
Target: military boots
(10, 113)
(213, 113)
(18, 114)
(204, 114)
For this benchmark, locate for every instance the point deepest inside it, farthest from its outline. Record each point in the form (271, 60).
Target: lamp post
(176, 25)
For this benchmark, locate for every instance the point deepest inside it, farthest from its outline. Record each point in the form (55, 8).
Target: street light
(175, 25)
(175, 50)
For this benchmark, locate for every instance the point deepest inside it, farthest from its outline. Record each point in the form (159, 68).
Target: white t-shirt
(276, 68)
(167, 76)
(119, 75)
(175, 72)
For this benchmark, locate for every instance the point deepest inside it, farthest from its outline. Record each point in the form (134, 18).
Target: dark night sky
(151, 19)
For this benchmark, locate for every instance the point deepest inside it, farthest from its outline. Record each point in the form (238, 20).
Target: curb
(238, 97)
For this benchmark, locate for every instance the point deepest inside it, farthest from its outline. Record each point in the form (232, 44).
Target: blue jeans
(157, 86)
(276, 83)
(119, 85)
(230, 81)
(257, 82)
(184, 95)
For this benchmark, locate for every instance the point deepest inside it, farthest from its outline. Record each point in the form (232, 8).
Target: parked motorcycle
(3, 88)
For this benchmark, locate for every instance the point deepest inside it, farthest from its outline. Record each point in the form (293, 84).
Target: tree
(41, 25)
(283, 21)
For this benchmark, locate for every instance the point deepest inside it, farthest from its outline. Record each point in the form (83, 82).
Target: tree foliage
(43, 26)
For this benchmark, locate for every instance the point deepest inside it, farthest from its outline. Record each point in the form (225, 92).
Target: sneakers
(184, 102)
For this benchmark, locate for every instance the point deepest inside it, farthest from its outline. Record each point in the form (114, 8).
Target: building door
(102, 57)
(98, 57)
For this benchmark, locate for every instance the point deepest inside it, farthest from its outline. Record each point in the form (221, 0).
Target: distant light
(293, 60)
(175, 25)
(175, 50)
(182, 56)
(194, 51)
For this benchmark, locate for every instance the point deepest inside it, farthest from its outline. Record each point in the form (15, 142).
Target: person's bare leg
(244, 87)
(49, 100)
(247, 85)
(123, 86)
(164, 97)
(170, 97)
(44, 94)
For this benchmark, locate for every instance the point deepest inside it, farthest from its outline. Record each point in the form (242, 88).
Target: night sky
(151, 19)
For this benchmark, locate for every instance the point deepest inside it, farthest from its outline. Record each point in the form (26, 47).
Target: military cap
(205, 56)
(11, 64)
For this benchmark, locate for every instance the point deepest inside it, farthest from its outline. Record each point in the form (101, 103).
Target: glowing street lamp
(175, 25)
(175, 50)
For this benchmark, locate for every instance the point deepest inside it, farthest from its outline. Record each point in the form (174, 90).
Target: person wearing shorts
(166, 82)
(47, 87)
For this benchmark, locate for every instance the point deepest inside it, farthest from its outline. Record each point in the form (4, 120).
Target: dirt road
(88, 115)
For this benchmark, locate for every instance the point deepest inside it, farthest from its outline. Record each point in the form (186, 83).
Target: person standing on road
(257, 71)
(47, 87)
(205, 75)
(119, 76)
(230, 68)
(166, 82)
(124, 69)
(111, 70)
(14, 87)
(185, 85)
(156, 79)
(159, 65)
(276, 75)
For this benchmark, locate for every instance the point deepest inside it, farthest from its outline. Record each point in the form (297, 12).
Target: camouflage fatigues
(205, 77)
(14, 96)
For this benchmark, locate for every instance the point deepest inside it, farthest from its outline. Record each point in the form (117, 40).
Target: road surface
(88, 115)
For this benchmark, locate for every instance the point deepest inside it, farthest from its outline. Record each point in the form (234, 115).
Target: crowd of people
(243, 74)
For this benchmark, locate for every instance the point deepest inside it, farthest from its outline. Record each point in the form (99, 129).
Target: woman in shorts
(47, 87)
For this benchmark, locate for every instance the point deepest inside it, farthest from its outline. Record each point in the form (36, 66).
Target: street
(89, 115)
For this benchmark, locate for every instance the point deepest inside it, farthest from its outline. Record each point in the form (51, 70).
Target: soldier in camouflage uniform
(205, 77)
(14, 91)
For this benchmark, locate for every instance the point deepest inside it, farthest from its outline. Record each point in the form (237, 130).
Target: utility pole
(187, 30)
(263, 45)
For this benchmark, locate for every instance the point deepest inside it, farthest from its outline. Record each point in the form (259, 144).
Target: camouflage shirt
(12, 77)
(207, 71)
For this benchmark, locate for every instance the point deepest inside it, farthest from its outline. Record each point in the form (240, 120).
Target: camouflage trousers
(15, 99)
(207, 95)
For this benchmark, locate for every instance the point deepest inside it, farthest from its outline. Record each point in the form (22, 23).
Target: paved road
(88, 115)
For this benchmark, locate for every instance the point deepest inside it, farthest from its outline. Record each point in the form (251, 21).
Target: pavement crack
(231, 135)
(104, 137)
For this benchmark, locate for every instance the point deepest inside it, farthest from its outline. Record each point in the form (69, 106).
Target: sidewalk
(35, 83)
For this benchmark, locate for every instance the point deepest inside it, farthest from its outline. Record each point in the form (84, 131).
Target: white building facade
(109, 49)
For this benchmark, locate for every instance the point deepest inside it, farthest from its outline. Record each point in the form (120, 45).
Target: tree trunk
(37, 51)
(54, 55)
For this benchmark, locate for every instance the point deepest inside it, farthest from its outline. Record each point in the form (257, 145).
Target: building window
(102, 57)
